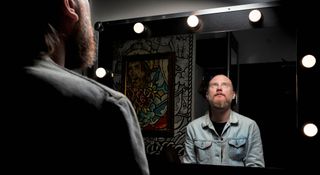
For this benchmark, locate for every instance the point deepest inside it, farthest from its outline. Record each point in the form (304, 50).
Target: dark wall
(267, 94)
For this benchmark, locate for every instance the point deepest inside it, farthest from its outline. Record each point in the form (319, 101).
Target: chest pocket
(202, 149)
(202, 144)
(237, 148)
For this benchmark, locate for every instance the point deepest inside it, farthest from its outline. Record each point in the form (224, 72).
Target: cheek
(211, 97)
(208, 97)
(229, 97)
(209, 93)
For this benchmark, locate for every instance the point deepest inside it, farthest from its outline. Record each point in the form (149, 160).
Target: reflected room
(260, 46)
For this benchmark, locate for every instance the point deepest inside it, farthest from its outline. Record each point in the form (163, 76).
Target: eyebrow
(224, 82)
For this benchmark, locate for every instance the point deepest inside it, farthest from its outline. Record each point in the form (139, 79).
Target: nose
(219, 87)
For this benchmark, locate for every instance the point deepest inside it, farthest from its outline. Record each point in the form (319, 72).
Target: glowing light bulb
(310, 129)
(101, 72)
(308, 61)
(138, 27)
(193, 21)
(255, 16)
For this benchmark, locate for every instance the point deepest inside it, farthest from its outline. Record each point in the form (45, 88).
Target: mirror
(261, 59)
(263, 70)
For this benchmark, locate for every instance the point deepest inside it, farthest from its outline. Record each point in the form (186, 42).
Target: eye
(214, 85)
(224, 85)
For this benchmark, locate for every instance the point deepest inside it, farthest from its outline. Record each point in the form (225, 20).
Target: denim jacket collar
(233, 120)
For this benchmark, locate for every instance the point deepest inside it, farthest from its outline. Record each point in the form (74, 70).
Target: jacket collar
(233, 120)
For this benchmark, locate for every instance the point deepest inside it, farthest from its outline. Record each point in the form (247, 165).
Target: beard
(81, 46)
(219, 104)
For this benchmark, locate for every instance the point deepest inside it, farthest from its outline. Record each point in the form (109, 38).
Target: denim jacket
(239, 145)
(63, 118)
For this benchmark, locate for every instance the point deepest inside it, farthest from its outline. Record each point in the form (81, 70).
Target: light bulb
(310, 129)
(255, 15)
(101, 72)
(138, 27)
(308, 61)
(193, 21)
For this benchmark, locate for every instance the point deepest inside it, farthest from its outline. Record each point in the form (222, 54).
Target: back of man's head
(31, 26)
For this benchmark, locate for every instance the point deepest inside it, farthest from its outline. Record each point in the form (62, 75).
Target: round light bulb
(308, 61)
(101, 72)
(310, 129)
(255, 15)
(138, 27)
(193, 21)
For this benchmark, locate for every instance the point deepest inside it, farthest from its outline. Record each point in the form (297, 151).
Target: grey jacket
(239, 145)
(63, 120)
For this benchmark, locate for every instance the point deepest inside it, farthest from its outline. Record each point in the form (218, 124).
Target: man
(223, 137)
(60, 120)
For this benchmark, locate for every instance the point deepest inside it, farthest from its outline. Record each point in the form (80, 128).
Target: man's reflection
(223, 137)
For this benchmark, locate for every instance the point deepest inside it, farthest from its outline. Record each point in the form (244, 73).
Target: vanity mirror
(260, 57)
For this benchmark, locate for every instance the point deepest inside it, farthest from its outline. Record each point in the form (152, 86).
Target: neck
(220, 115)
(59, 54)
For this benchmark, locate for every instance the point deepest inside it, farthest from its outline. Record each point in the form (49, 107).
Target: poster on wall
(148, 81)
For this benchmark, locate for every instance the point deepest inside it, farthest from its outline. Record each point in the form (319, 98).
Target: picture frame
(148, 81)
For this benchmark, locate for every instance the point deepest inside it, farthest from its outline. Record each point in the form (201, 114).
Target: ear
(70, 10)
(234, 96)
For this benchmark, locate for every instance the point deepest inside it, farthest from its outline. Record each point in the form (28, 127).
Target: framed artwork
(148, 81)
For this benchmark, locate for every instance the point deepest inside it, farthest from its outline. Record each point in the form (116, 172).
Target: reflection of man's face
(220, 92)
(136, 73)
(81, 44)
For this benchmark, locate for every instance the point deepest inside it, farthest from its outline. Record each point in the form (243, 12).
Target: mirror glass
(260, 59)
(268, 88)
(263, 70)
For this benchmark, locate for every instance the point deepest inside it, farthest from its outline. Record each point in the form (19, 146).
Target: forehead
(220, 78)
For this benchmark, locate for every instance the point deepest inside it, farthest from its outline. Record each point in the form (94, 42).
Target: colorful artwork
(148, 84)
